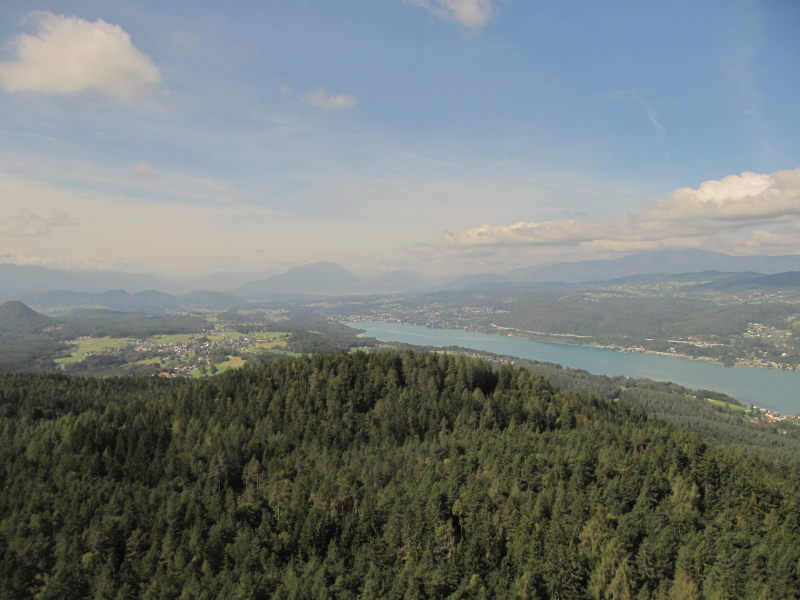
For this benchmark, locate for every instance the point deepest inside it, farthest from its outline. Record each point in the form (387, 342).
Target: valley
(405, 300)
(194, 355)
(193, 343)
(685, 317)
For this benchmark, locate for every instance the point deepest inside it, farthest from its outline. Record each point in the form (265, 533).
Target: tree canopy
(377, 475)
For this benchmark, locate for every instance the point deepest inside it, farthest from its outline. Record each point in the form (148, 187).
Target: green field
(224, 335)
(186, 338)
(176, 338)
(269, 336)
(268, 340)
(728, 405)
(86, 346)
(283, 352)
(233, 362)
(148, 361)
(360, 349)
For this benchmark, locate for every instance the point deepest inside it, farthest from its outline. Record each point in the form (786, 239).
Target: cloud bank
(322, 99)
(28, 223)
(765, 207)
(68, 55)
(469, 13)
(174, 225)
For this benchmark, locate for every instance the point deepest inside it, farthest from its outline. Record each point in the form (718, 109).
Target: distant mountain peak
(325, 277)
(681, 260)
(663, 261)
(323, 266)
(16, 307)
(22, 280)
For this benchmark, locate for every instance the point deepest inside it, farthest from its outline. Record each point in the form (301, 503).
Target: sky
(445, 136)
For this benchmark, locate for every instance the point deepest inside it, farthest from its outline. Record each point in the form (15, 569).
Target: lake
(770, 388)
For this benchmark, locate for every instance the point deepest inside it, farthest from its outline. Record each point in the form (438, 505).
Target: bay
(769, 388)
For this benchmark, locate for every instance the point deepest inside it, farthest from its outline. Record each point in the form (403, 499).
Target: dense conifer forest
(377, 475)
(689, 409)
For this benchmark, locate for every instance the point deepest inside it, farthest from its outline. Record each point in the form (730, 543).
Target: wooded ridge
(379, 475)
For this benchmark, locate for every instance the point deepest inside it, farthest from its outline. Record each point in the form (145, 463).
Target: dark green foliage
(673, 316)
(100, 323)
(684, 407)
(375, 476)
(728, 320)
(28, 352)
(310, 332)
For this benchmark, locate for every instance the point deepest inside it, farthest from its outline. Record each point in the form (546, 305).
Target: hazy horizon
(440, 136)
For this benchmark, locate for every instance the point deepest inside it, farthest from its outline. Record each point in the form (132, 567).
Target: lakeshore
(771, 389)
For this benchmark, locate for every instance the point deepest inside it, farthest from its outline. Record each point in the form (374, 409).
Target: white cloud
(686, 217)
(781, 240)
(28, 223)
(144, 170)
(322, 99)
(733, 201)
(68, 55)
(470, 13)
(652, 116)
(54, 262)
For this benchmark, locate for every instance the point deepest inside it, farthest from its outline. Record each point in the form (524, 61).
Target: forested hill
(18, 318)
(375, 476)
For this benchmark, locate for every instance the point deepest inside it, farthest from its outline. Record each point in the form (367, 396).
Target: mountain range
(640, 263)
(147, 301)
(330, 278)
(327, 278)
(21, 280)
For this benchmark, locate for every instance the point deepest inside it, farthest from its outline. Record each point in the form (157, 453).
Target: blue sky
(439, 135)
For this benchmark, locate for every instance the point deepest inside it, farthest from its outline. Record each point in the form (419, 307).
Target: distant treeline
(628, 318)
(119, 324)
(686, 408)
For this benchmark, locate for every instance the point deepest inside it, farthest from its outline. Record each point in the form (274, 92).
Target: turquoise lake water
(770, 388)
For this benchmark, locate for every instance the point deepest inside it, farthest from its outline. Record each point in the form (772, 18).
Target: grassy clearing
(280, 314)
(388, 303)
(269, 340)
(233, 362)
(283, 352)
(177, 338)
(264, 313)
(87, 346)
(148, 361)
(728, 405)
(224, 335)
(270, 345)
(269, 336)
